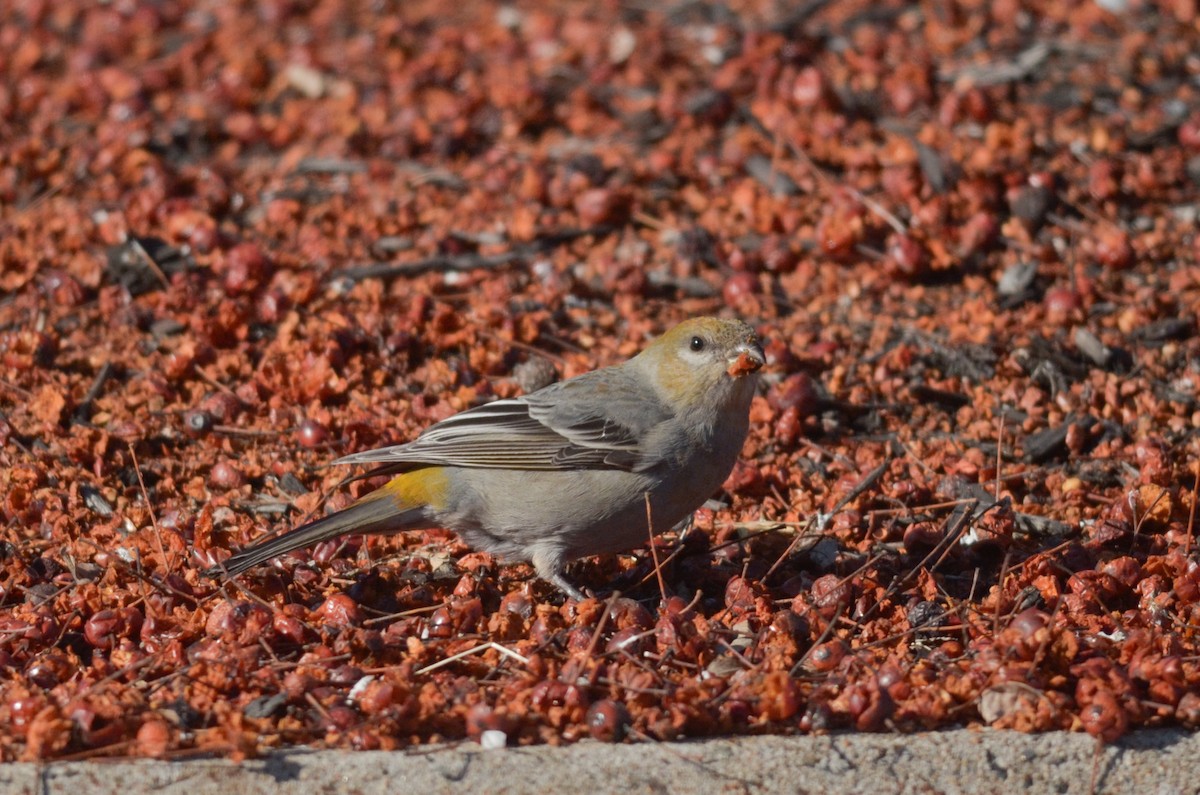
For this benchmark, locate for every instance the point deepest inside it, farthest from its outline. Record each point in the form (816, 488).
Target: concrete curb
(1151, 762)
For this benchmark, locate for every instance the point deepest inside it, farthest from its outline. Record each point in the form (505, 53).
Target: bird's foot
(570, 590)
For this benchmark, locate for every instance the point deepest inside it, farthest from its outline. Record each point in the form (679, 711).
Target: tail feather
(375, 513)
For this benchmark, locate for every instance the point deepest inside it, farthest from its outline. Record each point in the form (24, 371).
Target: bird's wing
(583, 423)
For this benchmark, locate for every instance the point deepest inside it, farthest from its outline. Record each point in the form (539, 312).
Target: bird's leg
(570, 590)
(548, 563)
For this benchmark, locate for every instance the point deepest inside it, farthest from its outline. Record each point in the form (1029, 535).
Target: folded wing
(583, 423)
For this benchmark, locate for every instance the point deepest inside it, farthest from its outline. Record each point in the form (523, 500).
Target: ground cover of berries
(240, 239)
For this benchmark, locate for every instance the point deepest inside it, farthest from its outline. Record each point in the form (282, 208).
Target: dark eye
(697, 344)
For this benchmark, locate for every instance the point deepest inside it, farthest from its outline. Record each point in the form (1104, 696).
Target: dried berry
(608, 721)
(968, 488)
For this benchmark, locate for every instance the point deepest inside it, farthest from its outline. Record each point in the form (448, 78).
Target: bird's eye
(697, 344)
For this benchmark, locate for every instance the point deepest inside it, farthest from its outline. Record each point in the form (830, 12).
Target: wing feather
(583, 423)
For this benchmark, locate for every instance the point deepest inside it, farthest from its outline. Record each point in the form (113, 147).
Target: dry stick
(41, 199)
(743, 659)
(884, 214)
(24, 394)
(933, 506)
(778, 496)
(623, 650)
(752, 532)
(657, 692)
(136, 245)
(151, 658)
(1187, 550)
(523, 346)
(84, 410)
(214, 383)
(856, 625)
(943, 547)
(116, 749)
(1040, 654)
(962, 612)
(1000, 590)
(186, 673)
(923, 626)
(665, 562)
(646, 219)
(823, 519)
(403, 614)
(546, 241)
(262, 642)
(248, 433)
(317, 705)
(1131, 498)
(235, 581)
(999, 455)
(591, 649)
(159, 585)
(832, 455)
(970, 600)
(824, 636)
(162, 555)
(962, 527)
(662, 588)
(504, 651)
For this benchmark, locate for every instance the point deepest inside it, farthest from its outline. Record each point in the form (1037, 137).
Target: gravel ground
(241, 240)
(961, 761)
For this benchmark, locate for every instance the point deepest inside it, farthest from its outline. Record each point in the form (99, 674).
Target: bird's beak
(748, 359)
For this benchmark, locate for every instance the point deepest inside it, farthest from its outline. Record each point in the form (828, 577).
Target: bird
(592, 465)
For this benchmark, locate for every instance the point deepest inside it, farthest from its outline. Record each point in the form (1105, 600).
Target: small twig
(942, 548)
(662, 587)
(1187, 549)
(159, 585)
(162, 554)
(646, 219)
(117, 674)
(925, 626)
(83, 411)
(235, 581)
(469, 261)
(117, 749)
(665, 562)
(916, 510)
(997, 72)
(475, 650)
(999, 455)
(1000, 591)
(403, 614)
(136, 244)
(824, 636)
(215, 384)
(1040, 654)
(318, 706)
(591, 648)
(250, 433)
(560, 361)
(24, 394)
(1131, 498)
(743, 659)
(823, 519)
(888, 217)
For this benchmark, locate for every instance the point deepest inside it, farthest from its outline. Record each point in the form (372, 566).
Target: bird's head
(704, 359)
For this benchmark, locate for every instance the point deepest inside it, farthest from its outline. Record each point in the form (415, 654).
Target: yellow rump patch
(426, 486)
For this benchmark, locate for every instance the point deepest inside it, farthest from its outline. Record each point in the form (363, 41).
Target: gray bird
(564, 472)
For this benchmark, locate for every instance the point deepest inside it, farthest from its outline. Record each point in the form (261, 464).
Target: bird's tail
(377, 512)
